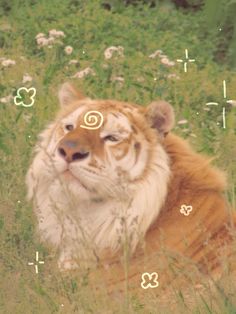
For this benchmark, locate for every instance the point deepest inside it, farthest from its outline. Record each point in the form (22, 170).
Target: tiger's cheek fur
(120, 151)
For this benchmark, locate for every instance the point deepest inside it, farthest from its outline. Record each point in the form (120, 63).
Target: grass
(90, 29)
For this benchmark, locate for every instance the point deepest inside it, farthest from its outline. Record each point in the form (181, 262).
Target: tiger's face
(103, 162)
(119, 165)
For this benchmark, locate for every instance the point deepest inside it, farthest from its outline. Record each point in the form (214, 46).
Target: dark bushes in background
(186, 4)
(219, 19)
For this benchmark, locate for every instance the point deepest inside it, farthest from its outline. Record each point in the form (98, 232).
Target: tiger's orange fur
(161, 174)
(175, 243)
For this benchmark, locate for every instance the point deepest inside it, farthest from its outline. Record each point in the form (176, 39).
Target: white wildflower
(155, 54)
(8, 62)
(163, 56)
(6, 99)
(40, 35)
(26, 78)
(51, 40)
(27, 117)
(118, 79)
(83, 73)
(184, 121)
(108, 53)
(173, 75)
(105, 66)
(73, 61)
(140, 79)
(167, 62)
(68, 50)
(55, 33)
(42, 41)
(171, 63)
(232, 103)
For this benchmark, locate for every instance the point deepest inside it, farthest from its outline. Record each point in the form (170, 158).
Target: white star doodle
(186, 61)
(230, 101)
(37, 262)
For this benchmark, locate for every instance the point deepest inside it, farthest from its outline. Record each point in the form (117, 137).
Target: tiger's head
(104, 153)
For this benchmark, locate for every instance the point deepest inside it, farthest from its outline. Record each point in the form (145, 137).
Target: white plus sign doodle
(231, 102)
(186, 60)
(37, 262)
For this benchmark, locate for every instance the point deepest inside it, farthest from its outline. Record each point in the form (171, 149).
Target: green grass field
(90, 29)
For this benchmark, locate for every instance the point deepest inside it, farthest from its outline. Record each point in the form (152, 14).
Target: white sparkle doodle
(37, 262)
(186, 61)
(230, 101)
(93, 120)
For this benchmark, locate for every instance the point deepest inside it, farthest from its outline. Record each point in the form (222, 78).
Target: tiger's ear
(160, 115)
(68, 94)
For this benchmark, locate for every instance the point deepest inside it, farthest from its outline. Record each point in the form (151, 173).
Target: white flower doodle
(186, 209)
(149, 280)
(18, 98)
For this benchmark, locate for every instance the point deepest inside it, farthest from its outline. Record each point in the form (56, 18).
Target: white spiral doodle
(93, 120)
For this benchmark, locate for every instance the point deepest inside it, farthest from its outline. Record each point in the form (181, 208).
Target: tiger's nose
(72, 151)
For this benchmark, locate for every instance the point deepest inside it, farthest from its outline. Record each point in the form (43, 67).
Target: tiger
(128, 182)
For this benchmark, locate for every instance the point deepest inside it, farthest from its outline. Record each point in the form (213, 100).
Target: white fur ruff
(76, 224)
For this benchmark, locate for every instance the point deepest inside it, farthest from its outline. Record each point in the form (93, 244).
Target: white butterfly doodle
(149, 280)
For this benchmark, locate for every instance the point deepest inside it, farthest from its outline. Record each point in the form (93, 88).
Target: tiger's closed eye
(111, 138)
(69, 127)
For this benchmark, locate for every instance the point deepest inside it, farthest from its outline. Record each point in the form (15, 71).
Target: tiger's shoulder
(194, 170)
